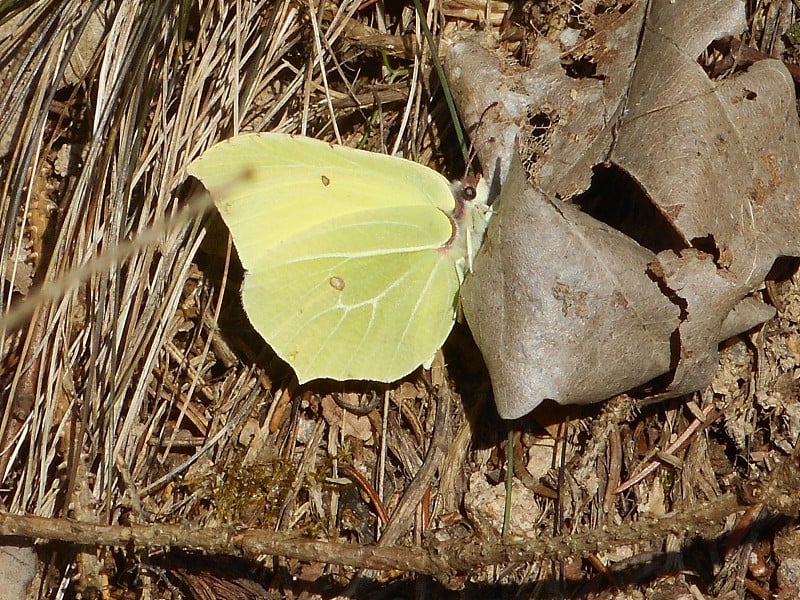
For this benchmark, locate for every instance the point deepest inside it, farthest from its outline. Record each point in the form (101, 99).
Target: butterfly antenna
(472, 154)
(472, 151)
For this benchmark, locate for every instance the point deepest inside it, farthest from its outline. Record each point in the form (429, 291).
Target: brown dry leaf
(563, 122)
(17, 569)
(352, 425)
(566, 307)
(485, 504)
(544, 314)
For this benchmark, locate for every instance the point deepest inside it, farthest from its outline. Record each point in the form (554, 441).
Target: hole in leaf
(617, 200)
(581, 67)
(535, 138)
(708, 245)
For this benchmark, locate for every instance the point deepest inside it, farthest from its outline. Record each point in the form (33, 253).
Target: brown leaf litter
(146, 426)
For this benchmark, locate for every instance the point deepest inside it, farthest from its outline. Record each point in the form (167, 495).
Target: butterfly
(353, 259)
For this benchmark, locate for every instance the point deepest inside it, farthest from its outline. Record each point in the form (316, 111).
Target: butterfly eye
(469, 189)
(464, 191)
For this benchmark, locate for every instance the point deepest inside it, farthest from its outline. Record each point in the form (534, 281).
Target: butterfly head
(469, 219)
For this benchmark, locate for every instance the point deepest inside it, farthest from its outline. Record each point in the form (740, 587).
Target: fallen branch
(442, 560)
